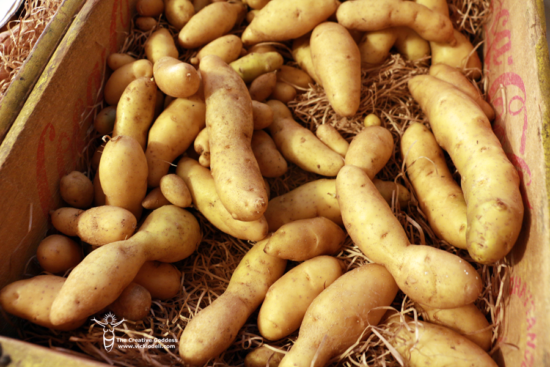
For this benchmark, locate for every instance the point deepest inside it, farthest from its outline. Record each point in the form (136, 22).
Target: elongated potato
(422, 344)
(162, 280)
(287, 300)
(331, 137)
(340, 314)
(254, 64)
(160, 44)
(294, 77)
(283, 92)
(489, 181)
(176, 78)
(313, 199)
(97, 226)
(77, 190)
(123, 174)
(20, 299)
(117, 60)
(212, 22)
(206, 199)
(304, 239)
(178, 12)
(337, 63)
(370, 150)
(262, 115)
(57, 254)
(439, 196)
(171, 134)
(374, 15)
(260, 357)
(227, 47)
(136, 110)
(262, 87)
(134, 303)
(220, 322)
(230, 125)
(154, 200)
(284, 20)
(270, 161)
(301, 51)
(175, 190)
(299, 145)
(121, 77)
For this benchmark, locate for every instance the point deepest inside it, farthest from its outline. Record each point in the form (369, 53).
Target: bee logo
(109, 324)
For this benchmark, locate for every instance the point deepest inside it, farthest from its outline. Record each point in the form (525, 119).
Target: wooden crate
(49, 133)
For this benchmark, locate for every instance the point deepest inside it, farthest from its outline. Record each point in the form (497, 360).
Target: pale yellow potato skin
(136, 110)
(176, 78)
(313, 199)
(262, 115)
(340, 314)
(332, 138)
(20, 299)
(301, 51)
(57, 254)
(259, 357)
(459, 55)
(372, 120)
(287, 300)
(411, 45)
(262, 87)
(212, 22)
(168, 234)
(227, 47)
(121, 77)
(489, 181)
(386, 189)
(254, 64)
(171, 134)
(206, 199)
(215, 327)
(427, 275)
(374, 15)
(97, 226)
(294, 76)
(337, 63)
(175, 190)
(283, 92)
(370, 150)
(271, 162)
(284, 20)
(256, 4)
(154, 199)
(468, 321)
(178, 12)
(304, 239)
(229, 119)
(300, 146)
(134, 303)
(160, 44)
(162, 280)
(422, 344)
(202, 147)
(77, 190)
(117, 60)
(453, 76)
(438, 194)
(440, 6)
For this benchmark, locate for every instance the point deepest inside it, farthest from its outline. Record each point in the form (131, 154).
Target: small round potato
(105, 120)
(146, 23)
(262, 87)
(162, 280)
(117, 60)
(175, 190)
(178, 12)
(262, 115)
(154, 200)
(160, 44)
(372, 120)
(176, 78)
(77, 190)
(271, 162)
(150, 8)
(134, 303)
(123, 76)
(283, 92)
(57, 254)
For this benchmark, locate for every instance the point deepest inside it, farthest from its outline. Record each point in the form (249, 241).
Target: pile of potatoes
(222, 119)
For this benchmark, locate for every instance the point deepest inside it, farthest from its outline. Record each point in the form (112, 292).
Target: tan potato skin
(230, 126)
(259, 357)
(176, 78)
(57, 254)
(455, 77)
(171, 134)
(304, 239)
(459, 55)
(262, 115)
(154, 199)
(121, 77)
(202, 147)
(439, 196)
(468, 321)
(337, 63)
(175, 190)
(77, 190)
(427, 275)
(178, 12)
(104, 122)
(489, 181)
(227, 47)
(370, 150)
(387, 188)
(212, 22)
(20, 299)
(200, 4)
(271, 162)
(168, 234)
(97, 226)
(162, 280)
(220, 322)
(423, 344)
(374, 15)
(134, 303)
(313, 199)
(301, 51)
(146, 23)
(440, 6)
(294, 77)
(283, 92)
(123, 174)
(262, 87)
(136, 110)
(284, 20)
(287, 300)
(117, 60)
(149, 8)
(337, 317)
(299, 145)
(206, 199)
(331, 137)
(160, 44)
